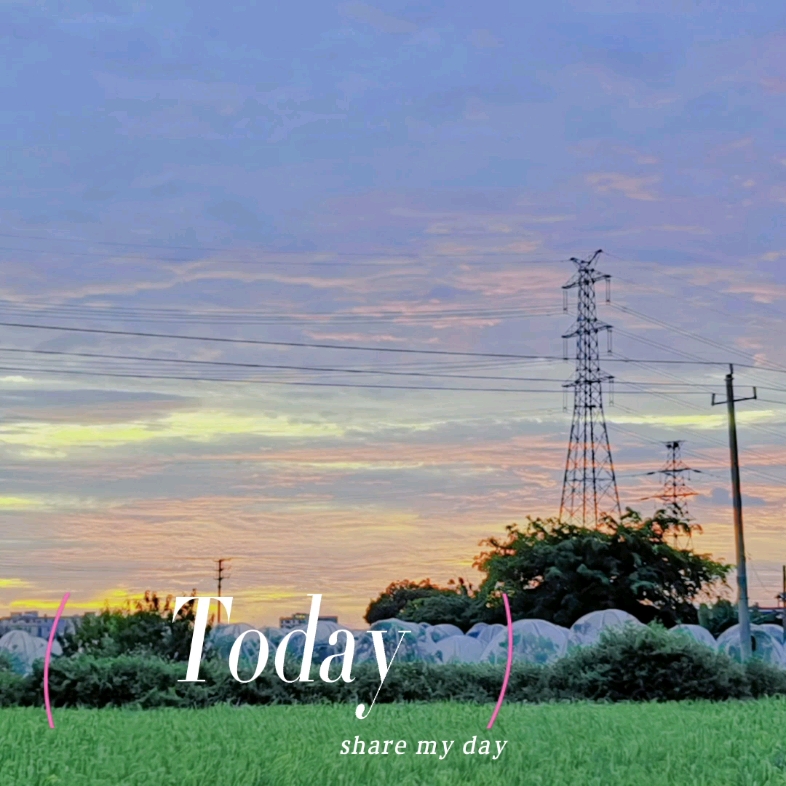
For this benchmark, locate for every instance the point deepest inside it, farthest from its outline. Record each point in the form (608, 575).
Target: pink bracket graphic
(509, 664)
(52, 635)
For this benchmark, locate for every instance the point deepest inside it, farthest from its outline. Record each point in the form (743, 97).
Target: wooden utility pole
(220, 576)
(743, 609)
(782, 599)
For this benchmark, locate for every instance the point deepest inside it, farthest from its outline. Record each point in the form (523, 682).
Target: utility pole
(739, 540)
(782, 600)
(589, 486)
(220, 576)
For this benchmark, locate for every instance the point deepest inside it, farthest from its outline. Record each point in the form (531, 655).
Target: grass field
(549, 745)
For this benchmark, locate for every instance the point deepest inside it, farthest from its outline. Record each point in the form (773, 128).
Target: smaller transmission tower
(675, 491)
(589, 488)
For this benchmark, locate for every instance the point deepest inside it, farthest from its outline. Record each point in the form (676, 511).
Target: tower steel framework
(675, 491)
(589, 488)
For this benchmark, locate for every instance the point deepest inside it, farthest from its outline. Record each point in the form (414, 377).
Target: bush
(12, 685)
(144, 682)
(146, 629)
(13, 689)
(628, 664)
(649, 664)
(764, 679)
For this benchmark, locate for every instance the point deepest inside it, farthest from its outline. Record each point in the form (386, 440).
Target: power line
(121, 244)
(657, 344)
(393, 255)
(237, 317)
(303, 383)
(276, 366)
(683, 282)
(694, 336)
(349, 347)
(777, 368)
(703, 434)
(403, 369)
(322, 369)
(313, 345)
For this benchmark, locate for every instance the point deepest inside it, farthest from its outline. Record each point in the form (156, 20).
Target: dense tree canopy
(424, 602)
(559, 572)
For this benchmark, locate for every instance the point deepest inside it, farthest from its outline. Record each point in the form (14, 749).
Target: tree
(144, 627)
(401, 595)
(559, 572)
(719, 616)
(457, 605)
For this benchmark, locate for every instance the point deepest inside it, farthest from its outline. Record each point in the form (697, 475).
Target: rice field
(547, 745)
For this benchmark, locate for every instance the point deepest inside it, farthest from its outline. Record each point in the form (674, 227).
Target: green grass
(548, 745)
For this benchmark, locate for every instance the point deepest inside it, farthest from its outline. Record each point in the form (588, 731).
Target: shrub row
(643, 664)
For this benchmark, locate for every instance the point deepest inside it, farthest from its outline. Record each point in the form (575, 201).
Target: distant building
(287, 623)
(35, 625)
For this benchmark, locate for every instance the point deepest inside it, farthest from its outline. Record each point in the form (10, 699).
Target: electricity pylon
(675, 491)
(589, 488)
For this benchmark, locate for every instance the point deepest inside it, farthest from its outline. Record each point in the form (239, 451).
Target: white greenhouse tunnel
(534, 641)
(25, 649)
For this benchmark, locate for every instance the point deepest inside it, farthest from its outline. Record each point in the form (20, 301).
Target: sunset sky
(406, 175)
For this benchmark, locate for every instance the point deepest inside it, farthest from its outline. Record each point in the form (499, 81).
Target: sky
(396, 175)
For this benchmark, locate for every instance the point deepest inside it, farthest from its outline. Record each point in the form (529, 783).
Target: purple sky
(406, 175)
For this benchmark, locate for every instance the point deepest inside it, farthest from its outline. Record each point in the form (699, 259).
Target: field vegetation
(646, 744)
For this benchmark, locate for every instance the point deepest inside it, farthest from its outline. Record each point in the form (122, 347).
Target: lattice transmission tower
(676, 491)
(589, 488)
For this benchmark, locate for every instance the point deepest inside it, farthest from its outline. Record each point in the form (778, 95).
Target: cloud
(721, 496)
(474, 110)
(775, 85)
(593, 148)
(697, 421)
(730, 147)
(230, 211)
(546, 219)
(778, 193)
(635, 92)
(48, 503)
(631, 187)
(373, 338)
(691, 230)
(484, 39)
(56, 439)
(116, 597)
(14, 583)
(19, 503)
(377, 19)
